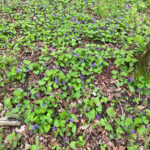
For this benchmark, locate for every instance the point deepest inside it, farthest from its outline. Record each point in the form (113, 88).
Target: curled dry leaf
(84, 127)
(21, 129)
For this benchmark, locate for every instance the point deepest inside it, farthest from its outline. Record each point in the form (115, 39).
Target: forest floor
(68, 75)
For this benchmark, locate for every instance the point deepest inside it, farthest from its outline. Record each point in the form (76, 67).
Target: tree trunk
(143, 66)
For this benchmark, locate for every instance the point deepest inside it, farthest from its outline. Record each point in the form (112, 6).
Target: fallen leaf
(121, 148)
(21, 129)
(84, 127)
(27, 146)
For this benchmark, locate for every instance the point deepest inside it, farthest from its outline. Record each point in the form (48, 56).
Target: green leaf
(27, 62)
(58, 148)
(102, 122)
(73, 144)
(70, 124)
(55, 86)
(108, 127)
(30, 66)
(99, 109)
(91, 114)
(111, 112)
(138, 121)
(7, 102)
(15, 110)
(77, 87)
(48, 73)
(61, 57)
(74, 117)
(74, 129)
(141, 130)
(80, 138)
(131, 88)
(41, 82)
(128, 121)
(148, 112)
(56, 123)
(103, 100)
(47, 128)
(145, 120)
(78, 80)
(36, 72)
(124, 74)
(96, 100)
(62, 123)
(64, 95)
(77, 95)
(11, 137)
(33, 147)
(18, 136)
(14, 144)
(114, 72)
(119, 130)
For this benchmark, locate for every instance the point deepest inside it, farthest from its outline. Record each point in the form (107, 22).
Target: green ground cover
(67, 69)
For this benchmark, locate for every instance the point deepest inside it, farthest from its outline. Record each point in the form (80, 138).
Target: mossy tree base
(143, 66)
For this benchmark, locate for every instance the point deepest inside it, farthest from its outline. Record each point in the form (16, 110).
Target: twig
(121, 108)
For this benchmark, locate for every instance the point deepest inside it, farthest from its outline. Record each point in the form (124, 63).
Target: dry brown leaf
(141, 107)
(121, 148)
(53, 140)
(31, 140)
(21, 129)
(73, 105)
(118, 89)
(141, 148)
(84, 127)
(27, 146)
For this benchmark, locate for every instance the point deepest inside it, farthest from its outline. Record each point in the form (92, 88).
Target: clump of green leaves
(13, 139)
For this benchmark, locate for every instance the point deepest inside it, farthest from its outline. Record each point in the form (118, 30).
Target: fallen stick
(6, 122)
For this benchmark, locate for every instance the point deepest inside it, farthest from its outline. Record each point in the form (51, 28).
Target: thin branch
(121, 108)
(6, 122)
